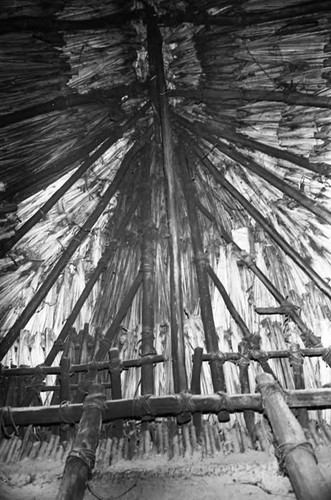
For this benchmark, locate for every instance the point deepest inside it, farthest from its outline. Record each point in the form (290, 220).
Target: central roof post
(158, 96)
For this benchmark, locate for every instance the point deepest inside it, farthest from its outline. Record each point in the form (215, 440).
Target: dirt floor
(238, 476)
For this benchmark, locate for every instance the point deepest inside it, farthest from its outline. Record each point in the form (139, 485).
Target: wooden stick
(102, 365)
(147, 270)
(291, 97)
(196, 387)
(106, 139)
(228, 302)
(159, 99)
(115, 369)
(164, 406)
(41, 293)
(81, 459)
(300, 462)
(296, 362)
(201, 264)
(106, 341)
(207, 131)
(253, 212)
(243, 365)
(65, 379)
(307, 336)
(95, 96)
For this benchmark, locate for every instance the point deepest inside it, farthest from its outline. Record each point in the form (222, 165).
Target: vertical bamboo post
(158, 91)
(201, 264)
(297, 455)
(243, 364)
(196, 387)
(147, 269)
(81, 459)
(115, 370)
(296, 362)
(65, 379)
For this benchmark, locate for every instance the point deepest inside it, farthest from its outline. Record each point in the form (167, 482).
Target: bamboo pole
(163, 406)
(147, 270)
(291, 97)
(106, 341)
(243, 365)
(196, 387)
(83, 232)
(228, 302)
(246, 260)
(65, 379)
(266, 225)
(207, 131)
(81, 459)
(95, 96)
(106, 140)
(297, 455)
(102, 365)
(201, 265)
(115, 369)
(296, 362)
(158, 96)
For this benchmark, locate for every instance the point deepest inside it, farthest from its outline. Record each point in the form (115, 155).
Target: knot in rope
(95, 401)
(258, 355)
(145, 404)
(63, 408)
(226, 401)
(283, 450)
(217, 356)
(7, 409)
(115, 365)
(185, 402)
(86, 455)
(295, 355)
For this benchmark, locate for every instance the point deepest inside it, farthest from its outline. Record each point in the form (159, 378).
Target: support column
(161, 116)
(147, 269)
(216, 366)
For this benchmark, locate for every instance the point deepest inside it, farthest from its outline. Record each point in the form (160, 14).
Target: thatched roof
(248, 89)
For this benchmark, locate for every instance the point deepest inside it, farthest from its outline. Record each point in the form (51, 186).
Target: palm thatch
(247, 88)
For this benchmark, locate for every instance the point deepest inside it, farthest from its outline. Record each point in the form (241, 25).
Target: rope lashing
(63, 408)
(59, 344)
(327, 356)
(258, 355)
(225, 401)
(271, 388)
(86, 455)
(282, 451)
(12, 423)
(217, 356)
(144, 403)
(185, 402)
(147, 339)
(95, 401)
(115, 365)
(295, 356)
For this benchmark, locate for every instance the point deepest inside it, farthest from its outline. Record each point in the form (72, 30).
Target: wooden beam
(80, 236)
(106, 143)
(201, 264)
(297, 454)
(61, 338)
(106, 341)
(266, 225)
(81, 458)
(291, 97)
(147, 270)
(163, 406)
(207, 131)
(95, 96)
(159, 99)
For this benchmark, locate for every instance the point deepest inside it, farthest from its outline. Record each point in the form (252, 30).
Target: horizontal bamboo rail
(254, 355)
(98, 366)
(162, 406)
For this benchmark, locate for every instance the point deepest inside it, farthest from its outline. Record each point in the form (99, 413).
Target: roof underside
(248, 88)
